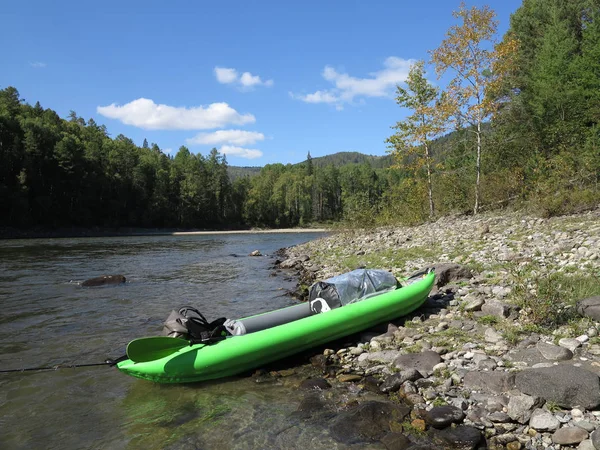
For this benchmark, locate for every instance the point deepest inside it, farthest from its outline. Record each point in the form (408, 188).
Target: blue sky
(263, 81)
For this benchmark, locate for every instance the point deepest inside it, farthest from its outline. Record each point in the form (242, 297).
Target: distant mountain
(344, 158)
(337, 159)
(236, 172)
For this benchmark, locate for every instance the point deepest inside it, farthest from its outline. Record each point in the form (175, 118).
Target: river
(47, 318)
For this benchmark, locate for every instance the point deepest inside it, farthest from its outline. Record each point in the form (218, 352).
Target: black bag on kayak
(189, 323)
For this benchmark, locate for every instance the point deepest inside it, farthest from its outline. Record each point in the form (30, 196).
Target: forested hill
(343, 158)
(336, 159)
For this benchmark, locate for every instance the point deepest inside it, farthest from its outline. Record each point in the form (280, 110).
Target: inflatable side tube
(268, 320)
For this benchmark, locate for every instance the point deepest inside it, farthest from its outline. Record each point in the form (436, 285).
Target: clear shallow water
(46, 318)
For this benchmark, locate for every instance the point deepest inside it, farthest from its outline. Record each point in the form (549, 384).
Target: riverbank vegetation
(519, 124)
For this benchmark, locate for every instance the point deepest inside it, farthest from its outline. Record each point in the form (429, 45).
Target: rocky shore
(504, 354)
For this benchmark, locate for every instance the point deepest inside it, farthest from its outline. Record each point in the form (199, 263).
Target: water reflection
(46, 318)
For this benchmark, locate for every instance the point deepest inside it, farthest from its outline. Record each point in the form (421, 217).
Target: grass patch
(488, 320)
(553, 303)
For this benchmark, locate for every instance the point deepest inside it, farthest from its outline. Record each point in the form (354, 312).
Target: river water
(46, 319)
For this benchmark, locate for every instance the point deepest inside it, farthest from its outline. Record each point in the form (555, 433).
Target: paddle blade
(152, 348)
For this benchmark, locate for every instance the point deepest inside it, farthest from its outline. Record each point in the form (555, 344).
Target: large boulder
(448, 272)
(566, 385)
(104, 280)
(494, 382)
(590, 307)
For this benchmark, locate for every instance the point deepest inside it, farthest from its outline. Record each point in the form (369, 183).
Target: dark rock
(590, 307)
(393, 382)
(369, 421)
(319, 361)
(569, 435)
(423, 361)
(371, 384)
(494, 382)
(448, 272)
(311, 403)
(443, 416)
(396, 441)
(462, 437)
(567, 386)
(315, 383)
(104, 280)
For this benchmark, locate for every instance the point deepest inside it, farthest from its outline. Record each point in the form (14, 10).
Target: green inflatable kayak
(172, 360)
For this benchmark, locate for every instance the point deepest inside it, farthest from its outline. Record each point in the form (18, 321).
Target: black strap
(201, 330)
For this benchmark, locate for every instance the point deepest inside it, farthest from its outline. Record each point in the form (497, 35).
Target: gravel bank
(491, 360)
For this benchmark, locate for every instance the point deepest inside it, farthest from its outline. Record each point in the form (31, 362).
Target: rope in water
(108, 362)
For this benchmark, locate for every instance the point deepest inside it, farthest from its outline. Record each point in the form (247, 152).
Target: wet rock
(255, 253)
(369, 421)
(567, 386)
(393, 382)
(520, 407)
(589, 307)
(423, 362)
(543, 420)
(495, 382)
(462, 437)
(315, 383)
(569, 436)
(104, 280)
(311, 404)
(371, 384)
(554, 352)
(443, 416)
(349, 377)
(396, 441)
(319, 361)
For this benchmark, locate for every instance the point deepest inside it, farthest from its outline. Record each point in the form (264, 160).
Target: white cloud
(241, 152)
(317, 97)
(234, 137)
(224, 75)
(144, 113)
(168, 151)
(38, 64)
(346, 88)
(245, 81)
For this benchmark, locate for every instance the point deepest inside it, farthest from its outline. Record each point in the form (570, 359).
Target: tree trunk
(429, 184)
(478, 168)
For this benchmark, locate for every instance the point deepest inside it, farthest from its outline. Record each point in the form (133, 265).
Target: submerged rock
(369, 421)
(104, 280)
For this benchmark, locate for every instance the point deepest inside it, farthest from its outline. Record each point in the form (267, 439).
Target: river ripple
(46, 318)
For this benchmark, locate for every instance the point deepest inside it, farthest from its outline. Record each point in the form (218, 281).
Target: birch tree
(427, 121)
(480, 64)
